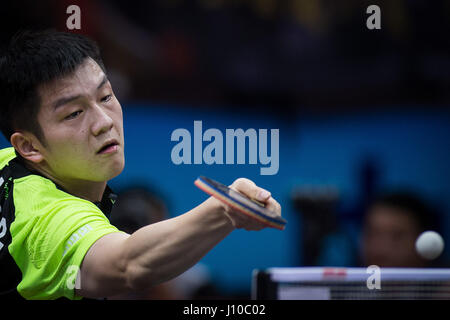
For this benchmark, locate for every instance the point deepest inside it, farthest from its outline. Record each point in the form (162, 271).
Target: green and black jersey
(45, 232)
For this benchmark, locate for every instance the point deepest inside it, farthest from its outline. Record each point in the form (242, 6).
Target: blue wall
(412, 148)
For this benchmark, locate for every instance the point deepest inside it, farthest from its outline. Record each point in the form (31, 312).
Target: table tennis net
(351, 284)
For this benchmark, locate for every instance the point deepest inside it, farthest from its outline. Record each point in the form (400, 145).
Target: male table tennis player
(61, 116)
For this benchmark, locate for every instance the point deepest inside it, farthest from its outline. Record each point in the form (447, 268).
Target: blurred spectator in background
(137, 207)
(391, 226)
(282, 55)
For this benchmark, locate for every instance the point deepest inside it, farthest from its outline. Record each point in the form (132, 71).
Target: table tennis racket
(240, 202)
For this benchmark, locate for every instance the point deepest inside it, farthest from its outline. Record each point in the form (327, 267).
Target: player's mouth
(110, 146)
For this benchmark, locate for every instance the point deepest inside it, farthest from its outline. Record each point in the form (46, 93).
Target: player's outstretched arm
(118, 262)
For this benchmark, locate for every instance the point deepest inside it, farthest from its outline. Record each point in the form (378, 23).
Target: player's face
(389, 238)
(79, 115)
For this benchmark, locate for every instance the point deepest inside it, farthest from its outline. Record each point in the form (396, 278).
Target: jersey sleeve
(6, 155)
(50, 237)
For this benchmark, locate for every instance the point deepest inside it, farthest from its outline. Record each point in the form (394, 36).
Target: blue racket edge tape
(222, 193)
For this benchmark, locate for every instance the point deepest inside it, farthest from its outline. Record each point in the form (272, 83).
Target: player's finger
(273, 206)
(242, 220)
(250, 189)
(251, 225)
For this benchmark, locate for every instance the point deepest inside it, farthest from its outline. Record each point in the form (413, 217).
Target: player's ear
(27, 145)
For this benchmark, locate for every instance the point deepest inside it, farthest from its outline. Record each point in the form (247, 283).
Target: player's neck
(89, 190)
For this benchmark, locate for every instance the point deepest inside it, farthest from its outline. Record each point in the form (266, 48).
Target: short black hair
(425, 216)
(32, 59)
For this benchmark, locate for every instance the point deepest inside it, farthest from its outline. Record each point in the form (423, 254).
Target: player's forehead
(389, 216)
(83, 81)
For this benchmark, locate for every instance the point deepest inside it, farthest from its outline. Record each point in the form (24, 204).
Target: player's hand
(251, 190)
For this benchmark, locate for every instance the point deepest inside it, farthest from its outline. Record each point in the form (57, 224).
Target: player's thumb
(251, 190)
(262, 195)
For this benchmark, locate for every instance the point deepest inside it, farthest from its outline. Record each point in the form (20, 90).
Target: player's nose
(101, 121)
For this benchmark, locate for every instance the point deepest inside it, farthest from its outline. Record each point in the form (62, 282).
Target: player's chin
(110, 171)
(117, 169)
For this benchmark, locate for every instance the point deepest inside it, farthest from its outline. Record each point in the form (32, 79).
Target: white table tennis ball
(429, 245)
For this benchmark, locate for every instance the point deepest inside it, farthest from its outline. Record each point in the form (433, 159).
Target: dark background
(358, 110)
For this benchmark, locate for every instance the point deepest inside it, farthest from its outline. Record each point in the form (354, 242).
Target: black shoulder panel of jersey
(11, 274)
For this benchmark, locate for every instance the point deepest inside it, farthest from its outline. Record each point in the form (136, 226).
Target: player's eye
(73, 115)
(106, 98)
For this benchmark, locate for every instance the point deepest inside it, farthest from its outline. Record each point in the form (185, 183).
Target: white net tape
(358, 283)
